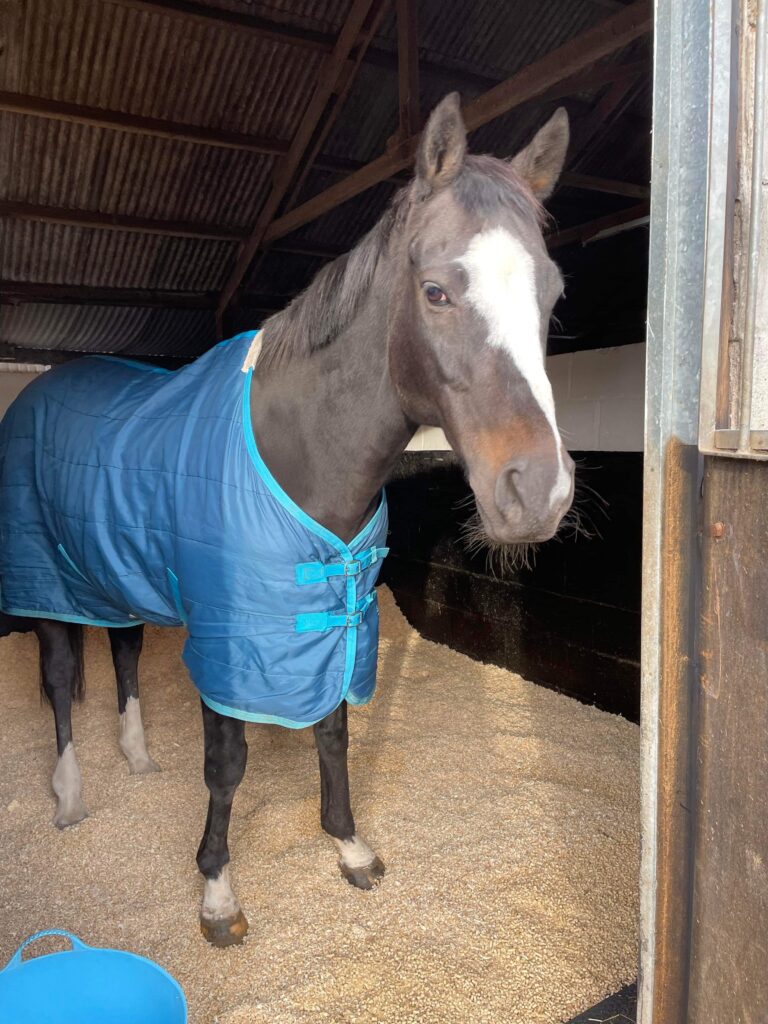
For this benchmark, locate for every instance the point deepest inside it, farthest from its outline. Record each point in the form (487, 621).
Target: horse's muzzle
(531, 495)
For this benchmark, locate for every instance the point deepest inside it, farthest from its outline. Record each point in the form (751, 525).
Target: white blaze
(502, 288)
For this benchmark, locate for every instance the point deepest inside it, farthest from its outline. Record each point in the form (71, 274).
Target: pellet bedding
(507, 815)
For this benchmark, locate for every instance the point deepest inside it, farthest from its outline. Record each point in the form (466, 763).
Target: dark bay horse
(438, 317)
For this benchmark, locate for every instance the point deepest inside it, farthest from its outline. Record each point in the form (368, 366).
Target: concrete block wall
(11, 383)
(599, 398)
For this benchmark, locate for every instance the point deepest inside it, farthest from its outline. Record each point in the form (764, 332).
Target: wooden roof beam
(606, 110)
(235, 21)
(117, 120)
(13, 292)
(118, 222)
(149, 226)
(409, 116)
(333, 109)
(328, 82)
(615, 32)
(185, 229)
(292, 35)
(77, 113)
(336, 103)
(582, 233)
(590, 183)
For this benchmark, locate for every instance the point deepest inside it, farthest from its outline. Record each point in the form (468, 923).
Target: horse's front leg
(126, 647)
(222, 921)
(359, 864)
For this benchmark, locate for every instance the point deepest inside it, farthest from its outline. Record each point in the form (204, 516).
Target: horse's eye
(435, 294)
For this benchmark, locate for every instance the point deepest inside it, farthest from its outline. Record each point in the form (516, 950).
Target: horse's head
(469, 340)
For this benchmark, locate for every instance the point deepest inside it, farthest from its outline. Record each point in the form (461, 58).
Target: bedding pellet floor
(507, 816)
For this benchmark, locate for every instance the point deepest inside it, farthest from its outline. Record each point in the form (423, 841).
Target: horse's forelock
(486, 184)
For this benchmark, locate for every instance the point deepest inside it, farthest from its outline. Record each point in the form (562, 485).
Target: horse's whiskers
(468, 501)
(500, 559)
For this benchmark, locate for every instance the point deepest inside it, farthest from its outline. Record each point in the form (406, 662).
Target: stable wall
(13, 379)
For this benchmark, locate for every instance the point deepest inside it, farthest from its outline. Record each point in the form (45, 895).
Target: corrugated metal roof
(495, 38)
(120, 57)
(31, 251)
(144, 62)
(83, 167)
(322, 15)
(109, 329)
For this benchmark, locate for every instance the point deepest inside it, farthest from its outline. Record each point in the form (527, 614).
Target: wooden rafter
(291, 35)
(39, 106)
(311, 156)
(89, 295)
(118, 222)
(235, 21)
(584, 232)
(335, 105)
(26, 292)
(328, 81)
(590, 183)
(612, 34)
(187, 229)
(605, 111)
(409, 117)
(77, 113)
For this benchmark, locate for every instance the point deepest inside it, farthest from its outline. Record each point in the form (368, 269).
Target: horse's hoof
(70, 815)
(225, 931)
(366, 877)
(144, 766)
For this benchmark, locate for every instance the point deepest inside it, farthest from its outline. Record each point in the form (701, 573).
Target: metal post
(682, 46)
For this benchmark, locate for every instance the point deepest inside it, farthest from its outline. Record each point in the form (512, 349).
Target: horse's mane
(317, 315)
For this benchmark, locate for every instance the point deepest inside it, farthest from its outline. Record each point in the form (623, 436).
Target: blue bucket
(86, 985)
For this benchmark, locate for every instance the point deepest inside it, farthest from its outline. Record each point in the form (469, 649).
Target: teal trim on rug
(80, 620)
(285, 500)
(252, 716)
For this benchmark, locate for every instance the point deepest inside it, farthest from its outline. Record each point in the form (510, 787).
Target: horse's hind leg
(126, 647)
(359, 864)
(62, 680)
(222, 921)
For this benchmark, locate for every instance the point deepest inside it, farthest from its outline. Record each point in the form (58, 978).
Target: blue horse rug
(130, 494)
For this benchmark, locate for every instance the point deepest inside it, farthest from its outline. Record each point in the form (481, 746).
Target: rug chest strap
(318, 572)
(312, 622)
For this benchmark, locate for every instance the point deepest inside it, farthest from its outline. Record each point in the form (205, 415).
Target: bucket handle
(16, 960)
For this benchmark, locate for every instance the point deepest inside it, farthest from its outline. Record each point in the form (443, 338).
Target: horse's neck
(330, 427)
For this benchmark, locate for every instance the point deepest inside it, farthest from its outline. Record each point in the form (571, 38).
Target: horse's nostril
(518, 485)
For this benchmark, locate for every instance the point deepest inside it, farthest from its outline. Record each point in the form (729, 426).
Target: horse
(438, 316)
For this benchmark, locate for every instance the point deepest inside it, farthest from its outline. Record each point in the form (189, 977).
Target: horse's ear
(541, 162)
(443, 144)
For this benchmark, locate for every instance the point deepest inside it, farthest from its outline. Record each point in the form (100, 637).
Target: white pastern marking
(68, 787)
(219, 902)
(132, 741)
(355, 852)
(502, 288)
